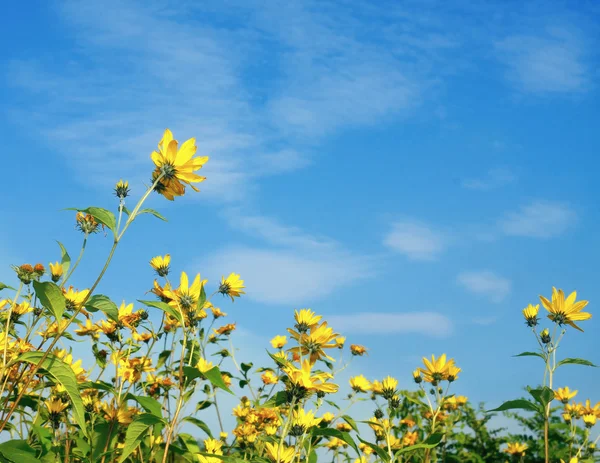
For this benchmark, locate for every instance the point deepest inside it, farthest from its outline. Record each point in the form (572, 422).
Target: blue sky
(418, 172)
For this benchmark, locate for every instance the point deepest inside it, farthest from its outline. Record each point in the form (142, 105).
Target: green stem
(72, 269)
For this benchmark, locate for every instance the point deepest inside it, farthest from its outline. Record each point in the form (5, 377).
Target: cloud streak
(415, 240)
(426, 323)
(539, 219)
(485, 283)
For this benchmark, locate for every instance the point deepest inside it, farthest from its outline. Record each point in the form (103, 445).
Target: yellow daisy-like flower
(360, 384)
(531, 314)
(176, 167)
(565, 311)
(564, 394)
(304, 378)
(141, 337)
(340, 341)
(304, 420)
(357, 349)
(186, 297)
(268, 377)
(516, 449)
(572, 460)
(280, 454)
(232, 286)
(306, 319)
(56, 271)
(160, 264)
(204, 365)
(55, 406)
(89, 329)
(278, 342)
(74, 299)
(327, 417)
(437, 369)
(122, 189)
(388, 387)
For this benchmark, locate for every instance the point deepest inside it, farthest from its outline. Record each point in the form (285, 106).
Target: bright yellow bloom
(217, 313)
(80, 373)
(225, 330)
(176, 166)
(453, 372)
(304, 378)
(127, 317)
(160, 264)
(336, 443)
(327, 417)
(590, 419)
(306, 319)
(232, 286)
(279, 454)
(388, 387)
(410, 438)
(278, 342)
(314, 341)
(74, 299)
(21, 309)
(141, 337)
(515, 448)
(122, 189)
(56, 271)
(340, 341)
(268, 377)
(304, 420)
(437, 369)
(122, 415)
(131, 369)
(360, 384)
(204, 365)
(531, 314)
(572, 460)
(564, 394)
(186, 297)
(565, 311)
(55, 406)
(89, 329)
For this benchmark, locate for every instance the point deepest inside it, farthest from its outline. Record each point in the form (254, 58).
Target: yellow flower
(56, 271)
(141, 337)
(590, 419)
(280, 454)
(203, 365)
(278, 342)
(388, 387)
(572, 460)
(453, 372)
(305, 319)
(122, 415)
(360, 384)
(268, 377)
(89, 329)
(55, 406)
(122, 189)
(217, 313)
(160, 264)
(336, 443)
(515, 448)
(176, 166)
(232, 286)
(21, 309)
(340, 341)
(417, 376)
(225, 330)
(410, 438)
(303, 421)
(564, 394)
(359, 350)
(312, 343)
(565, 311)
(530, 313)
(74, 299)
(327, 417)
(186, 297)
(304, 378)
(127, 317)
(437, 369)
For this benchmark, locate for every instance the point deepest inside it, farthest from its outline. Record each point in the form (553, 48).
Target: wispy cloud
(415, 240)
(495, 178)
(425, 323)
(485, 283)
(293, 267)
(539, 219)
(550, 63)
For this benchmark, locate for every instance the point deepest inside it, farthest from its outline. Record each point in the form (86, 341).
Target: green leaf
(190, 443)
(280, 398)
(149, 404)
(153, 212)
(530, 354)
(51, 297)
(214, 376)
(330, 432)
(102, 216)
(135, 432)
(3, 286)
(516, 404)
(63, 374)
(104, 304)
(165, 308)
(202, 298)
(246, 366)
(543, 396)
(378, 450)
(65, 259)
(103, 434)
(18, 451)
(350, 421)
(431, 442)
(575, 361)
(201, 424)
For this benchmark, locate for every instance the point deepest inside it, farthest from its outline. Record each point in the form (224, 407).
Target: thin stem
(74, 266)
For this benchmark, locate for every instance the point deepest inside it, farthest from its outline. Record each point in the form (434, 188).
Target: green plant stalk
(76, 312)
(74, 266)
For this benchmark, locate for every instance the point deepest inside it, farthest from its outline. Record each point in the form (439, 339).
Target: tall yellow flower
(564, 394)
(56, 271)
(306, 319)
(360, 383)
(516, 449)
(232, 286)
(278, 342)
(177, 167)
(305, 379)
(436, 370)
(312, 343)
(565, 311)
(160, 264)
(186, 296)
(280, 454)
(530, 313)
(74, 299)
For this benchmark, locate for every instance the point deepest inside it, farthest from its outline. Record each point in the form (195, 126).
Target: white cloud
(288, 276)
(495, 178)
(539, 219)
(425, 323)
(553, 63)
(415, 240)
(485, 283)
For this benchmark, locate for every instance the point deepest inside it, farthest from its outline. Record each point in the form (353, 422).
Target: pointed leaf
(431, 442)
(3, 286)
(378, 450)
(516, 404)
(51, 297)
(153, 212)
(135, 432)
(18, 451)
(543, 395)
(529, 354)
(104, 304)
(576, 361)
(330, 432)
(62, 374)
(214, 376)
(201, 424)
(149, 404)
(65, 259)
